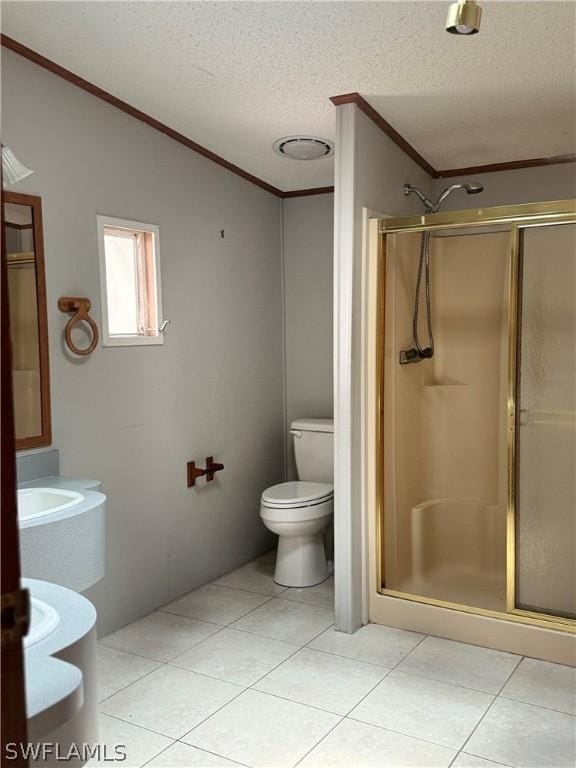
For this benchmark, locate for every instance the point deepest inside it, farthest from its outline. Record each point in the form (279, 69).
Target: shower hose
(418, 352)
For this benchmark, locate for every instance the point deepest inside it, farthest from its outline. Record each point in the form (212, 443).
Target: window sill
(133, 341)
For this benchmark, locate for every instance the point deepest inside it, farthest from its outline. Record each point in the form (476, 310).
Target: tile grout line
(269, 599)
(251, 686)
(204, 719)
(539, 706)
(147, 762)
(221, 627)
(174, 666)
(347, 715)
(106, 698)
(313, 747)
(282, 596)
(445, 682)
(178, 655)
(160, 664)
(374, 663)
(298, 649)
(388, 730)
(469, 754)
(128, 653)
(494, 700)
(235, 629)
(141, 727)
(269, 637)
(403, 659)
(181, 738)
(391, 730)
(401, 733)
(208, 751)
(236, 589)
(169, 663)
(102, 640)
(348, 658)
(292, 701)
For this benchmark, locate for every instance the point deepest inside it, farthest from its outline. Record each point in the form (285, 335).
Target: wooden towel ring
(80, 306)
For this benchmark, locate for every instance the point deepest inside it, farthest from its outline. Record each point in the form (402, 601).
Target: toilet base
(301, 561)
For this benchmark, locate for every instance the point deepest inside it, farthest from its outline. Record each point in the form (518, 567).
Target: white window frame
(135, 340)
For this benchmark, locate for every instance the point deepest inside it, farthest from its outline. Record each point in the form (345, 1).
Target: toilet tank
(314, 449)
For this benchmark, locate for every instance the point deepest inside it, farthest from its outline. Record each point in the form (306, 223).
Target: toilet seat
(297, 502)
(296, 494)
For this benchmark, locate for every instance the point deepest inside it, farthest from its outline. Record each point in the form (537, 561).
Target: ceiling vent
(303, 147)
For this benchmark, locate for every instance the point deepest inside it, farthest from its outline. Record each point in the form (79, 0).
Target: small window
(130, 282)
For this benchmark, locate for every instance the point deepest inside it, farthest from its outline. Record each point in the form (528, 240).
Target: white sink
(38, 502)
(60, 660)
(43, 620)
(62, 533)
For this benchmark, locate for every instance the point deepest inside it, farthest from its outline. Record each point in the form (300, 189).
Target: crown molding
(123, 106)
(347, 98)
(308, 192)
(400, 141)
(510, 166)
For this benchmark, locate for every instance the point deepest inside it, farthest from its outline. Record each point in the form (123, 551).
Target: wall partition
(476, 489)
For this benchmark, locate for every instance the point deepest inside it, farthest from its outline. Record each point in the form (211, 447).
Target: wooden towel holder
(193, 472)
(80, 306)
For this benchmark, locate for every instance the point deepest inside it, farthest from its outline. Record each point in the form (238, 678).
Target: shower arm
(428, 204)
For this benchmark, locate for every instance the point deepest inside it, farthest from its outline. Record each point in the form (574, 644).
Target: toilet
(300, 511)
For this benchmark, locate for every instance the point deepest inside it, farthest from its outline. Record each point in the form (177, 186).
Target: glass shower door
(545, 504)
(445, 421)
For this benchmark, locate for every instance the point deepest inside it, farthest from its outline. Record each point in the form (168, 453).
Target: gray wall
(308, 227)
(524, 185)
(370, 173)
(132, 417)
(381, 170)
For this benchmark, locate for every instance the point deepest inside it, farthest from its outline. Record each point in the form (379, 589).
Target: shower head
(474, 187)
(471, 188)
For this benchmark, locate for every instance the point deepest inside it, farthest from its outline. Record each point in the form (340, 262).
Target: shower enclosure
(476, 444)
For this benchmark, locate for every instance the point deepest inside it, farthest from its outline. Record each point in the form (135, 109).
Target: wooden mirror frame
(45, 437)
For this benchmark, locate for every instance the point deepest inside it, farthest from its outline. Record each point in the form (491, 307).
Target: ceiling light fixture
(303, 147)
(464, 18)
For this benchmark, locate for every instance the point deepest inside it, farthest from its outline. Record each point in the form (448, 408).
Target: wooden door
(14, 600)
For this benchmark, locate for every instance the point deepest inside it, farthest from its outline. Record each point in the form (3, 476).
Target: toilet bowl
(299, 511)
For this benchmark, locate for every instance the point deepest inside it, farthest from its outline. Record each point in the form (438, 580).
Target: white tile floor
(244, 672)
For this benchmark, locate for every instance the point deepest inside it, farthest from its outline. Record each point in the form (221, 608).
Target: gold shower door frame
(518, 217)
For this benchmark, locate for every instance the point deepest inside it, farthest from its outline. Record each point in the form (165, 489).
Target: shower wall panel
(445, 422)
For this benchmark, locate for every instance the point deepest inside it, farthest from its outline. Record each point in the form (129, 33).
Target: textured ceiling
(235, 76)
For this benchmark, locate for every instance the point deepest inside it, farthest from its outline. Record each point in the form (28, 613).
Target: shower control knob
(410, 356)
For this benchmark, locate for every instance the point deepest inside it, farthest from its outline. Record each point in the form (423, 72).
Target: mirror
(28, 324)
